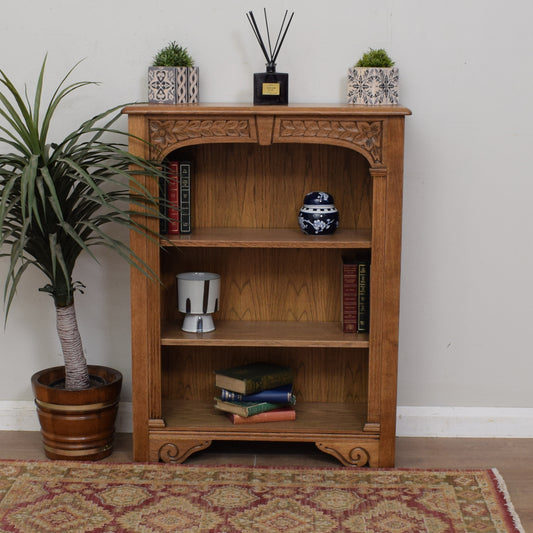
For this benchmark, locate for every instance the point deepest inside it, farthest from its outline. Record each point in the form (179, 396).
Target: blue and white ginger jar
(318, 216)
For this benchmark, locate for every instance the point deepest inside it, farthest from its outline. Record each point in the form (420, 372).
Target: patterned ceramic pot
(173, 85)
(161, 85)
(318, 216)
(373, 86)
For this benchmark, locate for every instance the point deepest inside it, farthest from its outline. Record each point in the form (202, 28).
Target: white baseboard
(494, 422)
(475, 422)
(22, 416)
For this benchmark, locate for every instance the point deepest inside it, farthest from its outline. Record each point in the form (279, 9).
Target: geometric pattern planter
(162, 85)
(193, 85)
(373, 86)
(173, 85)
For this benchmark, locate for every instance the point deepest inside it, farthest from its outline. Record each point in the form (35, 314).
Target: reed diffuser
(270, 87)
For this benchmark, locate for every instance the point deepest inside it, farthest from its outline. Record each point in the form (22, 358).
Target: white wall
(465, 68)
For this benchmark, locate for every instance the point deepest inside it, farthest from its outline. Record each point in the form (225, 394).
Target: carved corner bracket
(175, 450)
(351, 454)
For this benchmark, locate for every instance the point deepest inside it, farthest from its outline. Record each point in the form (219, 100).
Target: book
(245, 408)
(173, 186)
(274, 415)
(253, 377)
(185, 196)
(163, 205)
(363, 297)
(281, 394)
(349, 277)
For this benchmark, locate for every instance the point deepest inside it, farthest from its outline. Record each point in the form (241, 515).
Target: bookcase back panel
(322, 375)
(251, 186)
(262, 284)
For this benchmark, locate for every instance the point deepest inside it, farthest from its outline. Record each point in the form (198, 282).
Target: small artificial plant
(375, 58)
(173, 55)
(59, 199)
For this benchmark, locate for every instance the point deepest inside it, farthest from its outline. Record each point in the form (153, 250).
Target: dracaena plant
(60, 199)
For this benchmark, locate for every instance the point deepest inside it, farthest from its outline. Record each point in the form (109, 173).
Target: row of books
(176, 194)
(256, 392)
(355, 295)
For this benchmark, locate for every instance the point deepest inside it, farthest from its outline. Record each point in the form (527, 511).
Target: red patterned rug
(63, 497)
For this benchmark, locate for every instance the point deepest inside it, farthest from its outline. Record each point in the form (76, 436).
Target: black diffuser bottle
(270, 87)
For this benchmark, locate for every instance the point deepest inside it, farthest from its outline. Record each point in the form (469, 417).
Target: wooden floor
(512, 457)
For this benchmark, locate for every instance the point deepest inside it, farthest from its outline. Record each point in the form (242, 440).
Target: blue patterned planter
(373, 86)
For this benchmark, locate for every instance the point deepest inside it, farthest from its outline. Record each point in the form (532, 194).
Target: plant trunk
(76, 372)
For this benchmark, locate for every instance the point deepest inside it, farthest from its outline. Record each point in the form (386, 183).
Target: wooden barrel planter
(77, 425)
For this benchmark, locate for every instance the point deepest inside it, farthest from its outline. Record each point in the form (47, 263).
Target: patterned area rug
(109, 498)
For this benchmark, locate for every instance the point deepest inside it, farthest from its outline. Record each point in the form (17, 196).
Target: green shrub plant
(173, 55)
(375, 58)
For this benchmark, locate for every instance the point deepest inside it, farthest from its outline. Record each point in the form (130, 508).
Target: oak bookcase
(280, 289)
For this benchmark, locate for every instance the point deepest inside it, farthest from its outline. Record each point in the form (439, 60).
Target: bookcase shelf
(263, 333)
(347, 418)
(281, 290)
(270, 238)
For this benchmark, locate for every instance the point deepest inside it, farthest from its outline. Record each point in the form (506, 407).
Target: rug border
(506, 501)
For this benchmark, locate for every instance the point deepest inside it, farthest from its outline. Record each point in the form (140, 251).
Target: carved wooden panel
(365, 136)
(168, 133)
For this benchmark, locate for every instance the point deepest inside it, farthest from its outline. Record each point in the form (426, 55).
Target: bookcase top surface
(246, 108)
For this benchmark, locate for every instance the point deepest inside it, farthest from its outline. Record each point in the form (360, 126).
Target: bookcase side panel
(393, 158)
(145, 322)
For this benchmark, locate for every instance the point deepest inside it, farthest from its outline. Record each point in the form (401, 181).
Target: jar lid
(318, 198)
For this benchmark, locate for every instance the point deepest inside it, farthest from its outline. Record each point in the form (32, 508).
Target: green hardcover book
(245, 408)
(254, 377)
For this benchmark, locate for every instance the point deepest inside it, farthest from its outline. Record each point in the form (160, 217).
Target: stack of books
(175, 192)
(355, 291)
(256, 392)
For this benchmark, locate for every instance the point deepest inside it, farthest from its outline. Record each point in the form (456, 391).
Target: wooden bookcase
(280, 289)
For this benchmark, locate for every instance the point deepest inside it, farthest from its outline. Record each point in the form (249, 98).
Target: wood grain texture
(280, 289)
(263, 283)
(322, 374)
(250, 186)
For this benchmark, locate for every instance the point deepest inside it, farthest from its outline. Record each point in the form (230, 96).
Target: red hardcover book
(275, 415)
(173, 194)
(363, 297)
(349, 280)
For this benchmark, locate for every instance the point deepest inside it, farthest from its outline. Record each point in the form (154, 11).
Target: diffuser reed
(270, 87)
